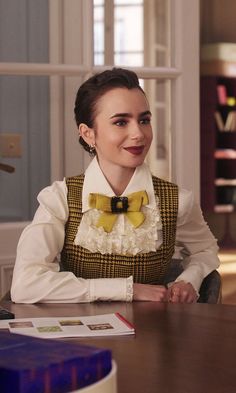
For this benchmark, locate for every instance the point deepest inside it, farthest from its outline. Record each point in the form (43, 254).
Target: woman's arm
(37, 276)
(197, 244)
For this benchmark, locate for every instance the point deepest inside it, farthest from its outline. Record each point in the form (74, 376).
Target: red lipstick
(136, 150)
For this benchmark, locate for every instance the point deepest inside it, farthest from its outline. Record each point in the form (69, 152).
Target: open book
(85, 326)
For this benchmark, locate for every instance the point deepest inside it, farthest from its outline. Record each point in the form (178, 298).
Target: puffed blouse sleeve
(196, 243)
(37, 276)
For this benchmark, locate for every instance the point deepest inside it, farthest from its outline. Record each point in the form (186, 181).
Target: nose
(137, 132)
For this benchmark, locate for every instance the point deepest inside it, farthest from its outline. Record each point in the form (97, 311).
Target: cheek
(149, 136)
(110, 138)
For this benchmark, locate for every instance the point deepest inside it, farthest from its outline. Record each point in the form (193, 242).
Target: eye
(146, 120)
(120, 123)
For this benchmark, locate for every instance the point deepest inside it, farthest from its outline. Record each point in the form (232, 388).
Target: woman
(110, 234)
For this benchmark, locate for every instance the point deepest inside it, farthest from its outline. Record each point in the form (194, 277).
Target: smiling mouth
(136, 150)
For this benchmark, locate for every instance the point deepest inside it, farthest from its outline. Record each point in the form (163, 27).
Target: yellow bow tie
(111, 207)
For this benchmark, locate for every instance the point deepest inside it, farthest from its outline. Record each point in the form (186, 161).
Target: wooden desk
(177, 348)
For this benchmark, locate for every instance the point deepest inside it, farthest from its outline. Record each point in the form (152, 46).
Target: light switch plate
(10, 145)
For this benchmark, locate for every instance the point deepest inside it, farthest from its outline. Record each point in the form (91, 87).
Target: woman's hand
(156, 293)
(181, 292)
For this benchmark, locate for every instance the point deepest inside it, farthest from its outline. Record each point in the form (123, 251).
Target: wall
(24, 107)
(24, 110)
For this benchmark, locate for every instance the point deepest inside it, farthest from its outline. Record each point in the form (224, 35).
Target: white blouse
(37, 276)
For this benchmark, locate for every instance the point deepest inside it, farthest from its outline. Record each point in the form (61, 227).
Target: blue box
(35, 365)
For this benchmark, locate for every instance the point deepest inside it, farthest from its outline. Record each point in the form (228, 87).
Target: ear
(87, 134)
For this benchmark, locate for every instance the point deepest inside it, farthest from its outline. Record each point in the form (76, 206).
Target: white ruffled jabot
(124, 238)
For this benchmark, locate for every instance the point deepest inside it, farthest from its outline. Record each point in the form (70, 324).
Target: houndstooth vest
(147, 268)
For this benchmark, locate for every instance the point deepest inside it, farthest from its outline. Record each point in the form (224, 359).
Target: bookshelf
(218, 147)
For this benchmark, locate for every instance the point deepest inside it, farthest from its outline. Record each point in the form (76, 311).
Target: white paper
(56, 327)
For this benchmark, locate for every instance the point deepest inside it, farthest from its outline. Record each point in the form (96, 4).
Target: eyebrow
(129, 114)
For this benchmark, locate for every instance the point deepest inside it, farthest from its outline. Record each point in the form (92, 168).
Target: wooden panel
(218, 67)
(9, 236)
(6, 272)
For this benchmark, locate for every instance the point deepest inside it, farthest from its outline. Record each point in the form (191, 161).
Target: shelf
(224, 208)
(228, 154)
(218, 67)
(225, 182)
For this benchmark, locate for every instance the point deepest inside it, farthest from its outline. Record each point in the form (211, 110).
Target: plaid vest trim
(145, 268)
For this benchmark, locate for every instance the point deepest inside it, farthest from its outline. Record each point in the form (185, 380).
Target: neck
(118, 178)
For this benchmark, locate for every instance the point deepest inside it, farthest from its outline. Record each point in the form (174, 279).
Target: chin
(135, 163)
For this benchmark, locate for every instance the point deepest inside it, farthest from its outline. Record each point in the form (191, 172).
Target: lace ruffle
(124, 238)
(129, 289)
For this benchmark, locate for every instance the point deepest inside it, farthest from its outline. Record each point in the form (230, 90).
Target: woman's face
(122, 131)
